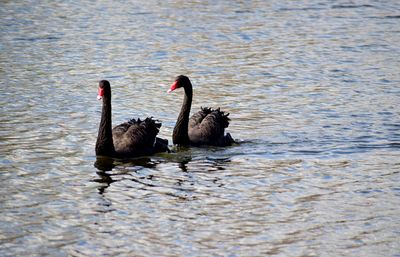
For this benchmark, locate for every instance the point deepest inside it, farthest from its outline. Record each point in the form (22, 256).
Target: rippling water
(313, 91)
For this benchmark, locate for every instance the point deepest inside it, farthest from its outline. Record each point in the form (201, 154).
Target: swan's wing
(120, 130)
(136, 136)
(198, 117)
(208, 126)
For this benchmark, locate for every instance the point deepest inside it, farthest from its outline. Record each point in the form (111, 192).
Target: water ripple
(313, 101)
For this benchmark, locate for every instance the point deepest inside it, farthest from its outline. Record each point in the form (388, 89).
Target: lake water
(313, 88)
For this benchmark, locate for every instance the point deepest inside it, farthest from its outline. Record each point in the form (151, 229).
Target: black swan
(130, 139)
(206, 127)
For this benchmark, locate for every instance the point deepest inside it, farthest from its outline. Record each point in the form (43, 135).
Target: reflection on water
(104, 163)
(312, 88)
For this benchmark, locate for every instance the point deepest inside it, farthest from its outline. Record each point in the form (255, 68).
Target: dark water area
(313, 88)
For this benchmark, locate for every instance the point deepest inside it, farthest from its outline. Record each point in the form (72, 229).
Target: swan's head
(180, 81)
(104, 89)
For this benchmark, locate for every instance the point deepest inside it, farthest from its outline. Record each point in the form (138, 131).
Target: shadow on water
(106, 165)
(178, 154)
(181, 155)
(177, 168)
(186, 169)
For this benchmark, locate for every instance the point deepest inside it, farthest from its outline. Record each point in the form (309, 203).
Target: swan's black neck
(180, 134)
(105, 144)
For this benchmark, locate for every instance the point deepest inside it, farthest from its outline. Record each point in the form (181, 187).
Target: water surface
(313, 92)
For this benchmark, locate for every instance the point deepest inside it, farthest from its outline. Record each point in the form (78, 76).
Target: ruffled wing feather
(136, 137)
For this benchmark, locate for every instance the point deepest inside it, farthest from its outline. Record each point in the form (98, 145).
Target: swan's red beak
(100, 93)
(173, 87)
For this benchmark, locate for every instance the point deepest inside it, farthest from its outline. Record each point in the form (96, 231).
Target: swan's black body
(130, 139)
(206, 127)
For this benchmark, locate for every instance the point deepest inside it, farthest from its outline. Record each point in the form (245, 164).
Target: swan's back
(207, 127)
(136, 137)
